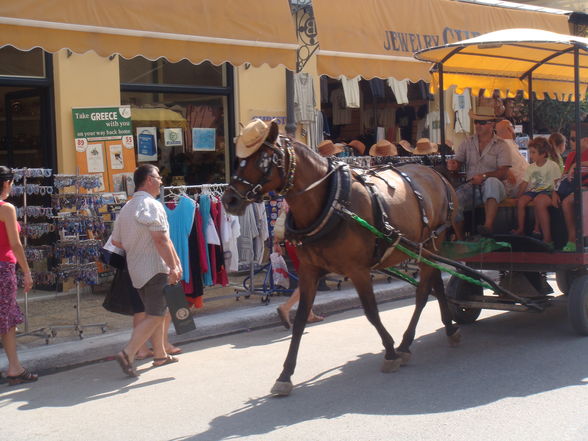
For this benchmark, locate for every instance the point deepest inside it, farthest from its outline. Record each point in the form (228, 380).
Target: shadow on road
(508, 355)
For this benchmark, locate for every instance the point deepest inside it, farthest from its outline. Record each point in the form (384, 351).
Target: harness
(339, 184)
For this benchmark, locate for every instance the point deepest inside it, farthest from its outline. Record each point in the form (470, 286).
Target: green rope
(416, 256)
(403, 276)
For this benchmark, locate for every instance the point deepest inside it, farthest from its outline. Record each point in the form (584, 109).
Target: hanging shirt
(341, 114)
(180, 221)
(304, 103)
(433, 123)
(400, 89)
(205, 213)
(230, 231)
(462, 103)
(351, 91)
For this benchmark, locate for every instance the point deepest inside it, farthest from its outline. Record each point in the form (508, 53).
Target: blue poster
(147, 144)
(204, 139)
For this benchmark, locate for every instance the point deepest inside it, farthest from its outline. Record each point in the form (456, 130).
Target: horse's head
(265, 163)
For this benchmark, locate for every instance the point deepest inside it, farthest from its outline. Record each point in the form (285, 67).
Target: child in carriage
(537, 185)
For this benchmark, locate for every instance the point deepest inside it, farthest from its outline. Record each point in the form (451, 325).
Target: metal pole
(25, 219)
(290, 121)
(578, 172)
(531, 107)
(442, 109)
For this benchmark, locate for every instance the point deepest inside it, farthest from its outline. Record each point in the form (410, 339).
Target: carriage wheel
(578, 305)
(459, 289)
(565, 278)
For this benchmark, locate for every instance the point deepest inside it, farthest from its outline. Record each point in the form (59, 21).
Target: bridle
(265, 163)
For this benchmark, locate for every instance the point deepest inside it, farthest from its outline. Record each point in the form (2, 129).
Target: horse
(413, 201)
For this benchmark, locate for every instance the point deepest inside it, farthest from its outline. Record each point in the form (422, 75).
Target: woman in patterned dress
(11, 253)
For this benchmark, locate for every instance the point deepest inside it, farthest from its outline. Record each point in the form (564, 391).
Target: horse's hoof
(455, 338)
(404, 357)
(391, 365)
(282, 388)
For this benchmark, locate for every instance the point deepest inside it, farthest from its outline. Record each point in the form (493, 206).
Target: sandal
(125, 364)
(144, 357)
(315, 319)
(158, 362)
(284, 318)
(175, 351)
(24, 377)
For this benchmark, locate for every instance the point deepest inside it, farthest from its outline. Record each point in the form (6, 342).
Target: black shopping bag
(179, 309)
(118, 298)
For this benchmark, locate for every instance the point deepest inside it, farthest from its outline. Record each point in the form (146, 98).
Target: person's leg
(522, 203)
(567, 207)
(142, 333)
(542, 203)
(144, 351)
(464, 197)
(9, 345)
(284, 309)
(169, 348)
(493, 192)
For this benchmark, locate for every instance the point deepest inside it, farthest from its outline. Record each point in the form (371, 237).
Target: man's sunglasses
(481, 122)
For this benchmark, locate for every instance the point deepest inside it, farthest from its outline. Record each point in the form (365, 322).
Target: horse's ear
(273, 132)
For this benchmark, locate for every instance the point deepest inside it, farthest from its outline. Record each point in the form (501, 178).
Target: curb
(67, 355)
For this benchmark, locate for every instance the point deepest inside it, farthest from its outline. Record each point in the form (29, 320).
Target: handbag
(118, 297)
(179, 309)
(112, 255)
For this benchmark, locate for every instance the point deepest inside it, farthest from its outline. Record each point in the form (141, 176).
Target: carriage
(542, 62)
(351, 221)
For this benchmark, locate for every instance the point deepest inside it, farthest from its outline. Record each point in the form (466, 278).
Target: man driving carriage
(487, 160)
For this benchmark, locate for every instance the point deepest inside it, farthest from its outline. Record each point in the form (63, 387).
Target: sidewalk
(222, 316)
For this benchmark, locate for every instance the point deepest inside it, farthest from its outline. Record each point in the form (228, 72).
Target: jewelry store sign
(102, 124)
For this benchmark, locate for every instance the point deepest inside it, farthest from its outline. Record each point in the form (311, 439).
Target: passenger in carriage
(487, 159)
(558, 142)
(515, 174)
(537, 186)
(564, 196)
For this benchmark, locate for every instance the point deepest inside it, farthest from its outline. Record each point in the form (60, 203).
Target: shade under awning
(504, 59)
(234, 31)
(378, 38)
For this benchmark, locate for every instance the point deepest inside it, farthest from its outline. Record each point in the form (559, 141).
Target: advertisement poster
(204, 140)
(173, 137)
(95, 158)
(147, 144)
(116, 157)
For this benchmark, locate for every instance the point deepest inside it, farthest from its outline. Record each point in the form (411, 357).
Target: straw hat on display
(383, 148)
(328, 148)
(406, 146)
(358, 146)
(425, 147)
(483, 113)
(251, 138)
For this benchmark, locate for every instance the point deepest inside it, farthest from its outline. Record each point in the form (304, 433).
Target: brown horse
(318, 192)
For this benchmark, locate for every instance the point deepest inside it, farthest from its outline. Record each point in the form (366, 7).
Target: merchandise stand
(39, 332)
(78, 265)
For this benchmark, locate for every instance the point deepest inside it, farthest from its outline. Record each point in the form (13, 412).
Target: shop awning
(377, 38)
(219, 31)
(504, 59)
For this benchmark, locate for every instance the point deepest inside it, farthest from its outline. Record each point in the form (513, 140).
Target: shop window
(197, 153)
(15, 63)
(140, 70)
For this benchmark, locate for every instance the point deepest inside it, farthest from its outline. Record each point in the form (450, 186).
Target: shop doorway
(24, 127)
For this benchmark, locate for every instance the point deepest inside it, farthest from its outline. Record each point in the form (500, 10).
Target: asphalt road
(514, 377)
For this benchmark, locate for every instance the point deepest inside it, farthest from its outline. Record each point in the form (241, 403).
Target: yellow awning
(219, 31)
(502, 60)
(378, 38)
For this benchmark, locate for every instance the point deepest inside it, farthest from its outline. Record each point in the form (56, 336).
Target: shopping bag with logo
(279, 269)
(179, 309)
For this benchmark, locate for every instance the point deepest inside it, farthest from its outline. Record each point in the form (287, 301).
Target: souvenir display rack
(24, 187)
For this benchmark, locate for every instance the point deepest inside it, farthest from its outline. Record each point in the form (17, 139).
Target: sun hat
(406, 146)
(383, 148)
(358, 146)
(483, 113)
(251, 138)
(425, 147)
(328, 148)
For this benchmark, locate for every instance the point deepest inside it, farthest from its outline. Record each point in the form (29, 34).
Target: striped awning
(234, 31)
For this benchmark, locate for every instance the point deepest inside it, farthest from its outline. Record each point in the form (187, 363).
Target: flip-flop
(315, 319)
(158, 362)
(144, 357)
(24, 377)
(284, 318)
(125, 364)
(176, 351)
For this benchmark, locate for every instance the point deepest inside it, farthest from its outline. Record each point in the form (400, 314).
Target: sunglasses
(481, 122)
